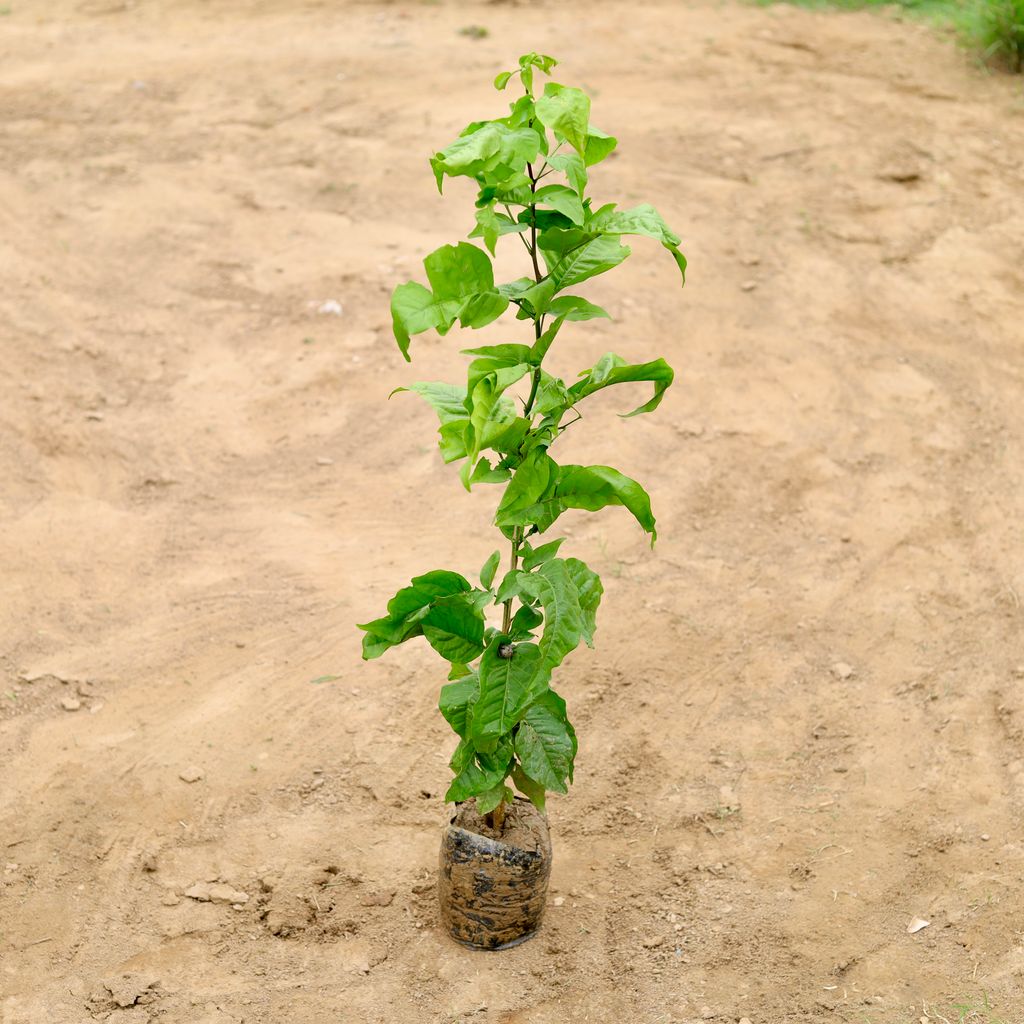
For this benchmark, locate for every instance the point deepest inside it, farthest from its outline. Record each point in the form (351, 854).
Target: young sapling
(531, 168)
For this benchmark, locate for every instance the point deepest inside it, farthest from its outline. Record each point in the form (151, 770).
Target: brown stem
(496, 819)
(537, 275)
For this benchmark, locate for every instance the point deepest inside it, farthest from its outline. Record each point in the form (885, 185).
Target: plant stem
(497, 817)
(537, 276)
(517, 539)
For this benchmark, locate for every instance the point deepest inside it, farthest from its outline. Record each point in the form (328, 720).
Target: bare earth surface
(803, 724)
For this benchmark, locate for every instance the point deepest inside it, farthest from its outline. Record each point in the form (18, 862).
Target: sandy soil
(803, 725)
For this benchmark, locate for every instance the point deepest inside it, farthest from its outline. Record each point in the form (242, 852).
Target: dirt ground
(803, 724)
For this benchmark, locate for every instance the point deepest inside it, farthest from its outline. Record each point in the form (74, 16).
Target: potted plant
(531, 169)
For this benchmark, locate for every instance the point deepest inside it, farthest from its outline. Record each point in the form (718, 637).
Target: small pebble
(70, 703)
(558, 901)
(218, 892)
(190, 774)
(841, 670)
(748, 286)
(323, 460)
(985, 837)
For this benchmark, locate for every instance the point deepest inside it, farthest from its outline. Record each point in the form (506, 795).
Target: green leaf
(458, 671)
(502, 373)
(415, 310)
(525, 620)
(453, 439)
(510, 586)
(539, 296)
(486, 802)
(589, 588)
(680, 260)
(529, 484)
(501, 355)
(426, 589)
(491, 414)
(542, 345)
(556, 589)
(563, 199)
(557, 241)
(640, 220)
(514, 289)
(490, 226)
(538, 556)
(534, 791)
(481, 309)
(447, 400)
(407, 610)
(589, 260)
(474, 779)
(462, 757)
(489, 569)
(539, 60)
(502, 80)
(572, 165)
(507, 686)
(438, 583)
(553, 397)
(373, 645)
(566, 111)
(573, 307)
(455, 700)
(492, 150)
(597, 487)
(505, 431)
(544, 745)
(484, 473)
(459, 271)
(598, 146)
(612, 369)
(454, 627)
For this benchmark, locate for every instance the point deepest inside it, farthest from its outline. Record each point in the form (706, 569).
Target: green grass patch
(996, 29)
(993, 29)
